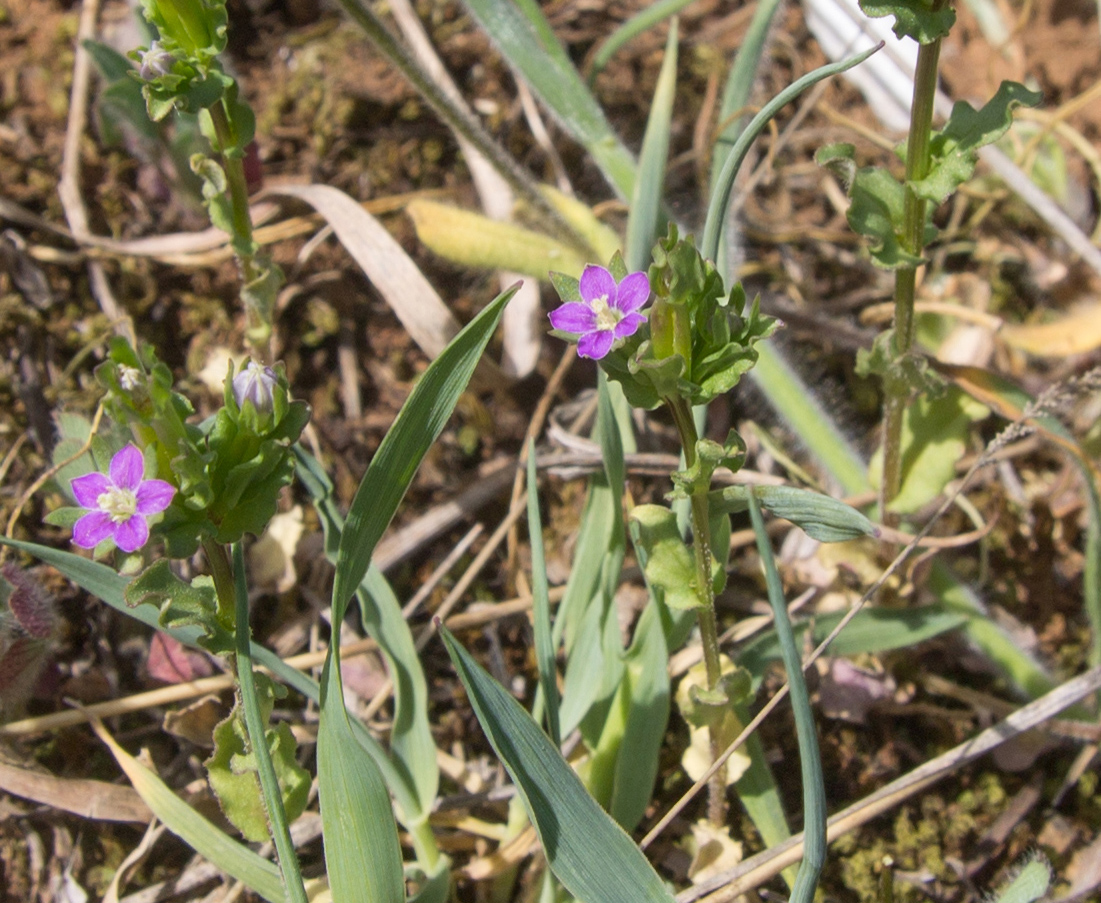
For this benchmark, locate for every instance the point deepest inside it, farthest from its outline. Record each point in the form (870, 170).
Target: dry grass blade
(414, 301)
(88, 799)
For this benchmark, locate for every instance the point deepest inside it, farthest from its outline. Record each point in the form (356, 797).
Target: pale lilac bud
(256, 384)
(155, 61)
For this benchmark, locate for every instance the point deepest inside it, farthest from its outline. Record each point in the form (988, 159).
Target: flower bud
(155, 62)
(257, 385)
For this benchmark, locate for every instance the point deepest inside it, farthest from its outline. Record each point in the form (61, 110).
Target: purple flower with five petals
(606, 312)
(119, 502)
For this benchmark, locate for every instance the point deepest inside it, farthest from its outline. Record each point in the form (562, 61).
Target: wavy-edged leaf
(588, 852)
(233, 858)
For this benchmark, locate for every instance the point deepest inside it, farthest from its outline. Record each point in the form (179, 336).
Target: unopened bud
(256, 384)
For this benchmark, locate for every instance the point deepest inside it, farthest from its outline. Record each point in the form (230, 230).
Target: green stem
(913, 240)
(244, 246)
(705, 614)
(257, 735)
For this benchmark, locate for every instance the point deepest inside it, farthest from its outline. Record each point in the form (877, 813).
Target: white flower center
(129, 377)
(606, 317)
(121, 504)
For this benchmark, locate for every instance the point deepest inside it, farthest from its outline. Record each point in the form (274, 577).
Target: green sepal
(954, 150)
(922, 20)
(568, 287)
(669, 563)
(231, 769)
(617, 267)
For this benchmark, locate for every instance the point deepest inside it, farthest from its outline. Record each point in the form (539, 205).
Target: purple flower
(155, 61)
(119, 503)
(607, 311)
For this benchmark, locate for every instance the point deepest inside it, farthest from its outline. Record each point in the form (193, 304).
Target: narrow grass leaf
(642, 21)
(234, 858)
(412, 298)
(646, 678)
(645, 212)
(724, 184)
(588, 852)
(420, 420)
(528, 44)
(871, 630)
(810, 759)
(362, 854)
(108, 586)
(540, 604)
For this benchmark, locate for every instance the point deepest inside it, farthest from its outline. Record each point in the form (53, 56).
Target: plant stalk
(257, 733)
(705, 613)
(244, 246)
(913, 240)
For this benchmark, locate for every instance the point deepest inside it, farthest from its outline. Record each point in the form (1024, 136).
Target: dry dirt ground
(330, 111)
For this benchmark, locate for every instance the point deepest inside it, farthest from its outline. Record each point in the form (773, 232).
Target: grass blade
(540, 604)
(724, 184)
(641, 22)
(420, 420)
(587, 851)
(527, 43)
(362, 855)
(642, 222)
(810, 760)
(233, 858)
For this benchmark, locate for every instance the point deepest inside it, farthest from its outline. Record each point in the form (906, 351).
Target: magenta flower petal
(153, 496)
(127, 468)
(628, 325)
(597, 282)
(88, 488)
(119, 502)
(633, 293)
(573, 317)
(132, 534)
(607, 312)
(595, 344)
(92, 529)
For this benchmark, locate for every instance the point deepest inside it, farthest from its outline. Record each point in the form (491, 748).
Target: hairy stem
(913, 240)
(709, 634)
